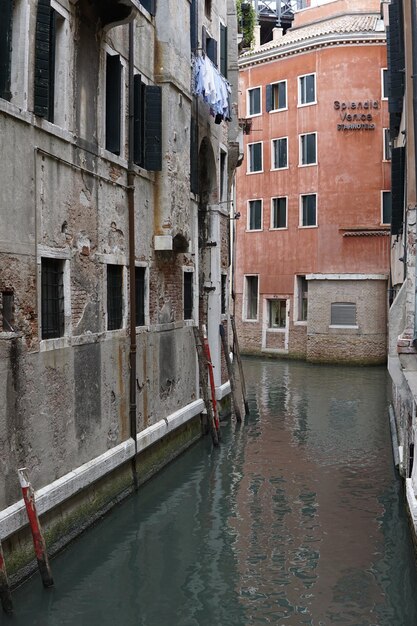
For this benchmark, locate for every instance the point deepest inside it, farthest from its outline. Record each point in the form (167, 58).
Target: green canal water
(297, 518)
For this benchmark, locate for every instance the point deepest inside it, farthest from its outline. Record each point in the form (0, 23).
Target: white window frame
(273, 168)
(249, 114)
(301, 210)
(106, 49)
(276, 329)
(249, 161)
(383, 97)
(272, 227)
(146, 296)
(64, 54)
(248, 228)
(385, 145)
(277, 82)
(382, 206)
(44, 252)
(300, 152)
(307, 104)
(244, 300)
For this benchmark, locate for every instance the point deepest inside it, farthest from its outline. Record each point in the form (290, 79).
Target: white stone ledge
(14, 517)
(223, 390)
(412, 502)
(346, 277)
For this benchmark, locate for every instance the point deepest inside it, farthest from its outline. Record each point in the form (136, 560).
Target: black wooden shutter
(193, 26)
(204, 39)
(194, 155)
(212, 50)
(137, 120)
(6, 12)
(43, 60)
(153, 128)
(113, 102)
(397, 189)
(269, 103)
(149, 5)
(223, 50)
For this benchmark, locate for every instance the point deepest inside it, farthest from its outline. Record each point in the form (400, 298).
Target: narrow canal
(297, 519)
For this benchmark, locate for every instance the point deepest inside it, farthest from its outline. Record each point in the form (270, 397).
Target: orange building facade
(312, 241)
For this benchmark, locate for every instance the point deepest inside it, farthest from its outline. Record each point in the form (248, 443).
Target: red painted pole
(5, 595)
(211, 378)
(38, 540)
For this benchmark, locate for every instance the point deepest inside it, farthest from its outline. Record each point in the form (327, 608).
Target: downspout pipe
(132, 255)
(414, 77)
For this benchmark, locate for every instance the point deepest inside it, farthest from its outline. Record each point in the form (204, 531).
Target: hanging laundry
(212, 87)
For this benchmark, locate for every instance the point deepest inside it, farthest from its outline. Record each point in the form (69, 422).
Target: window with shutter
(44, 61)
(276, 96)
(149, 5)
(114, 297)
(343, 314)
(397, 190)
(138, 120)
(6, 12)
(140, 273)
(223, 50)
(386, 207)
(153, 128)
(113, 102)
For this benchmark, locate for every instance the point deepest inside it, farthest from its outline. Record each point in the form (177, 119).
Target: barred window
(114, 297)
(52, 296)
(140, 295)
(188, 295)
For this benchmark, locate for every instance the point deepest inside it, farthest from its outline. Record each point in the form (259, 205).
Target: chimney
(277, 33)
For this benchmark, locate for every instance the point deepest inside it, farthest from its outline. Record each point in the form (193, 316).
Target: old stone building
(117, 170)
(314, 192)
(401, 20)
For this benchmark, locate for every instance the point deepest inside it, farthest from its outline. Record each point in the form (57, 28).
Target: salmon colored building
(313, 193)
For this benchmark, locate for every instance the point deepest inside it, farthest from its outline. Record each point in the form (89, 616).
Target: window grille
(224, 294)
(52, 296)
(114, 297)
(7, 311)
(343, 314)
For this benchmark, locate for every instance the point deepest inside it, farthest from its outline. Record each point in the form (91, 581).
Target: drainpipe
(132, 256)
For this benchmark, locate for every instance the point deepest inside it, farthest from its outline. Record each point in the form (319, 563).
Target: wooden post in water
(202, 368)
(239, 362)
(5, 595)
(231, 374)
(35, 527)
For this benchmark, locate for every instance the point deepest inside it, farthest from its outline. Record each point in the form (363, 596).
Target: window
(207, 8)
(386, 207)
(254, 101)
(309, 210)
(279, 213)
(193, 26)
(307, 89)
(224, 294)
(114, 297)
(7, 302)
(147, 133)
(209, 46)
(223, 50)
(251, 298)
(302, 296)
(276, 96)
(387, 144)
(255, 157)
(149, 5)
(277, 313)
(255, 215)
(384, 84)
(280, 153)
(113, 103)
(222, 173)
(308, 149)
(343, 314)
(5, 48)
(45, 58)
(52, 297)
(140, 273)
(188, 295)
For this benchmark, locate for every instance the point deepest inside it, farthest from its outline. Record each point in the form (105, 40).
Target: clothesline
(212, 87)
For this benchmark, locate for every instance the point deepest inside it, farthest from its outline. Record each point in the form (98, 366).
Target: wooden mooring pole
(202, 368)
(35, 527)
(5, 595)
(231, 374)
(239, 362)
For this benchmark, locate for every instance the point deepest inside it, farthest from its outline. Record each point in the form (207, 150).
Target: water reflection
(296, 519)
